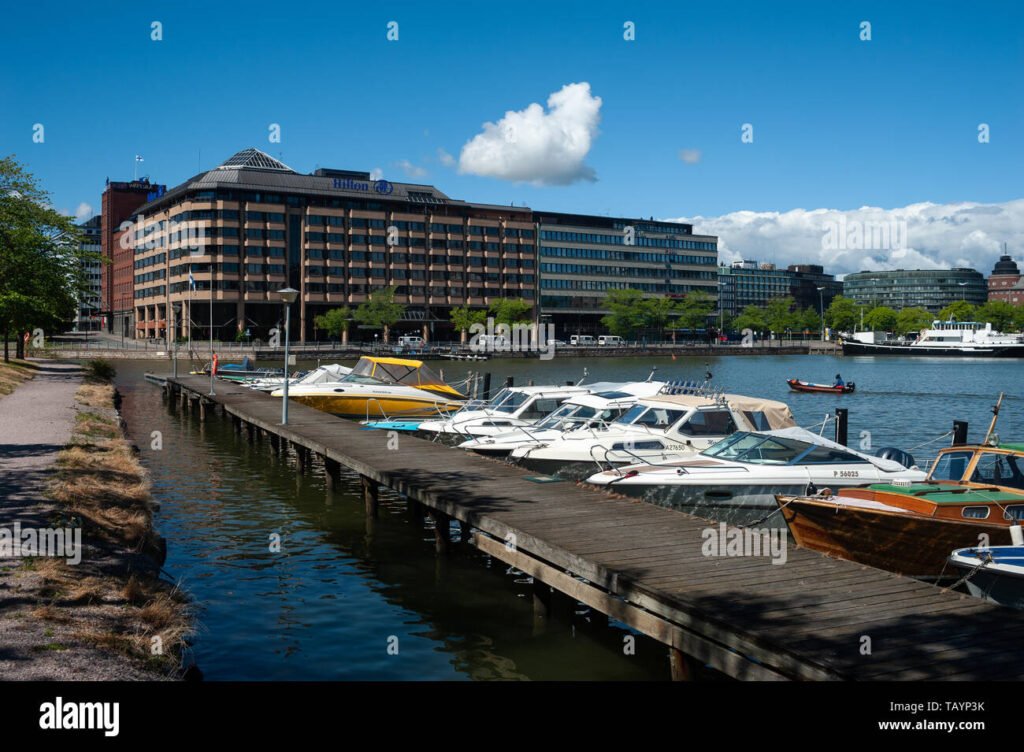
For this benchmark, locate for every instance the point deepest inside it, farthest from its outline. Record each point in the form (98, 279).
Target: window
(975, 513)
(999, 470)
(709, 423)
(951, 466)
(539, 408)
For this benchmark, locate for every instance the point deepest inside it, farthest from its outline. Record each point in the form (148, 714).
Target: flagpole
(191, 286)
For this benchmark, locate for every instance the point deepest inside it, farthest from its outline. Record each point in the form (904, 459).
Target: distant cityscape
(339, 235)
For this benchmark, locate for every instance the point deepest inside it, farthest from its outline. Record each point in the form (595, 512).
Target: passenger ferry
(955, 339)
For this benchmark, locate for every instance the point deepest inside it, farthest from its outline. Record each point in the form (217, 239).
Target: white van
(581, 339)
(611, 340)
(411, 341)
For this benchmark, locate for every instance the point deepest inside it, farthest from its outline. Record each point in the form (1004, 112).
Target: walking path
(36, 422)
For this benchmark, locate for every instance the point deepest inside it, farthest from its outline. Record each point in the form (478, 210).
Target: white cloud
(376, 173)
(923, 236)
(445, 158)
(690, 156)
(537, 146)
(83, 212)
(410, 170)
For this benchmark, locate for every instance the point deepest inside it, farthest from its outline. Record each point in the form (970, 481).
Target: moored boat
(995, 573)
(972, 495)
(946, 339)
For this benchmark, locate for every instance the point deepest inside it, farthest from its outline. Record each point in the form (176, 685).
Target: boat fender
(812, 490)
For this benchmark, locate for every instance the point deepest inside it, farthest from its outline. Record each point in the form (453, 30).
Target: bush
(100, 370)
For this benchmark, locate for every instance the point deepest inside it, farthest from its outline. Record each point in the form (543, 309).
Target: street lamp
(176, 307)
(821, 306)
(288, 296)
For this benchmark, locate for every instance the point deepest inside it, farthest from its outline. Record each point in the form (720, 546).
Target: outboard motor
(896, 455)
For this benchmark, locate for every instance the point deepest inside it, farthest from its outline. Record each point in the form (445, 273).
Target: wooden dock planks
(810, 618)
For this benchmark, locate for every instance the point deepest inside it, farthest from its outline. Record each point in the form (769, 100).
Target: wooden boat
(805, 386)
(972, 495)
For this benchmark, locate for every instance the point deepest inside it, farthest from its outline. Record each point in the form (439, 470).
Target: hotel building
(252, 226)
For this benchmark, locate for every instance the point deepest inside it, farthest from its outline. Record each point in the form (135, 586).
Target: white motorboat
(736, 480)
(580, 411)
(511, 408)
(320, 375)
(662, 428)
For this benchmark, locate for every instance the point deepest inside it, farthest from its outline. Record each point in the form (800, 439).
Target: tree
(693, 310)
(41, 270)
(1018, 318)
(881, 319)
(464, 317)
(335, 322)
(511, 311)
(808, 320)
(752, 318)
(380, 311)
(779, 314)
(843, 314)
(961, 310)
(626, 315)
(913, 320)
(999, 313)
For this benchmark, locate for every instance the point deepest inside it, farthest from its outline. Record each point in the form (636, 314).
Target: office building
(88, 316)
(931, 289)
(1005, 282)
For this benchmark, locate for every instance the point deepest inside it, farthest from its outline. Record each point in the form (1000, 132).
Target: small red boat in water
(805, 386)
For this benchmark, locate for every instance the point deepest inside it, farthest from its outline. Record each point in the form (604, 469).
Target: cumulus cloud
(83, 212)
(534, 145)
(690, 156)
(376, 173)
(918, 236)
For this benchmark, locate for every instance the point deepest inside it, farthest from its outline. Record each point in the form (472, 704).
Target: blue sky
(837, 122)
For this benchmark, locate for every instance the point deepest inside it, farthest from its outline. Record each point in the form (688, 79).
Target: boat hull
(909, 544)
(799, 386)
(990, 351)
(733, 504)
(375, 407)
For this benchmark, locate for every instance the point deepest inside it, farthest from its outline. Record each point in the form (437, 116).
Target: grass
(101, 485)
(14, 373)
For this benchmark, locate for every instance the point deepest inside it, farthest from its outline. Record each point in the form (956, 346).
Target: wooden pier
(810, 618)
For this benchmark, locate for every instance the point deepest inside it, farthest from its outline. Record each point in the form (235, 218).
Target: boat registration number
(846, 473)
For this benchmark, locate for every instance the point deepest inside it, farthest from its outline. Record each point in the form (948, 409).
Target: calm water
(326, 606)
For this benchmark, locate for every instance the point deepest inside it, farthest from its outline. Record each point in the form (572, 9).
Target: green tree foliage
(752, 318)
(961, 310)
(626, 314)
(335, 322)
(1018, 318)
(380, 311)
(881, 319)
(1000, 314)
(779, 315)
(809, 321)
(511, 311)
(464, 317)
(691, 312)
(41, 274)
(843, 314)
(913, 320)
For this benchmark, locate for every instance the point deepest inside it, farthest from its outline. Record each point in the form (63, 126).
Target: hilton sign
(383, 187)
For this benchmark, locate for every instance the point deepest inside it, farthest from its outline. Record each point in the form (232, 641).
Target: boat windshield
(999, 470)
(757, 449)
(399, 371)
(652, 417)
(951, 466)
(567, 416)
(510, 402)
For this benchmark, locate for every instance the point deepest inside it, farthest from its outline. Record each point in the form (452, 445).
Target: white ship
(948, 339)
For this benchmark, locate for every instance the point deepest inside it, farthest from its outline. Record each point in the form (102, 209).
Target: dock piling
(371, 494)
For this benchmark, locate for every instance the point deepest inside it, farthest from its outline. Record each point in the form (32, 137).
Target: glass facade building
(931, 289)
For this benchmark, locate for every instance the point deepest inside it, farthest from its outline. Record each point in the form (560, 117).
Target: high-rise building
(88, 316)
(117, 299)
(931, 289)
(749, 283)
(811, 287)
(1005, 282)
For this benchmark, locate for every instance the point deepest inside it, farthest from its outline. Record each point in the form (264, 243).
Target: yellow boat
(381, 388)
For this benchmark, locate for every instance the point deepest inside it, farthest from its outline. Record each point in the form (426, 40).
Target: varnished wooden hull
(908, 544)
